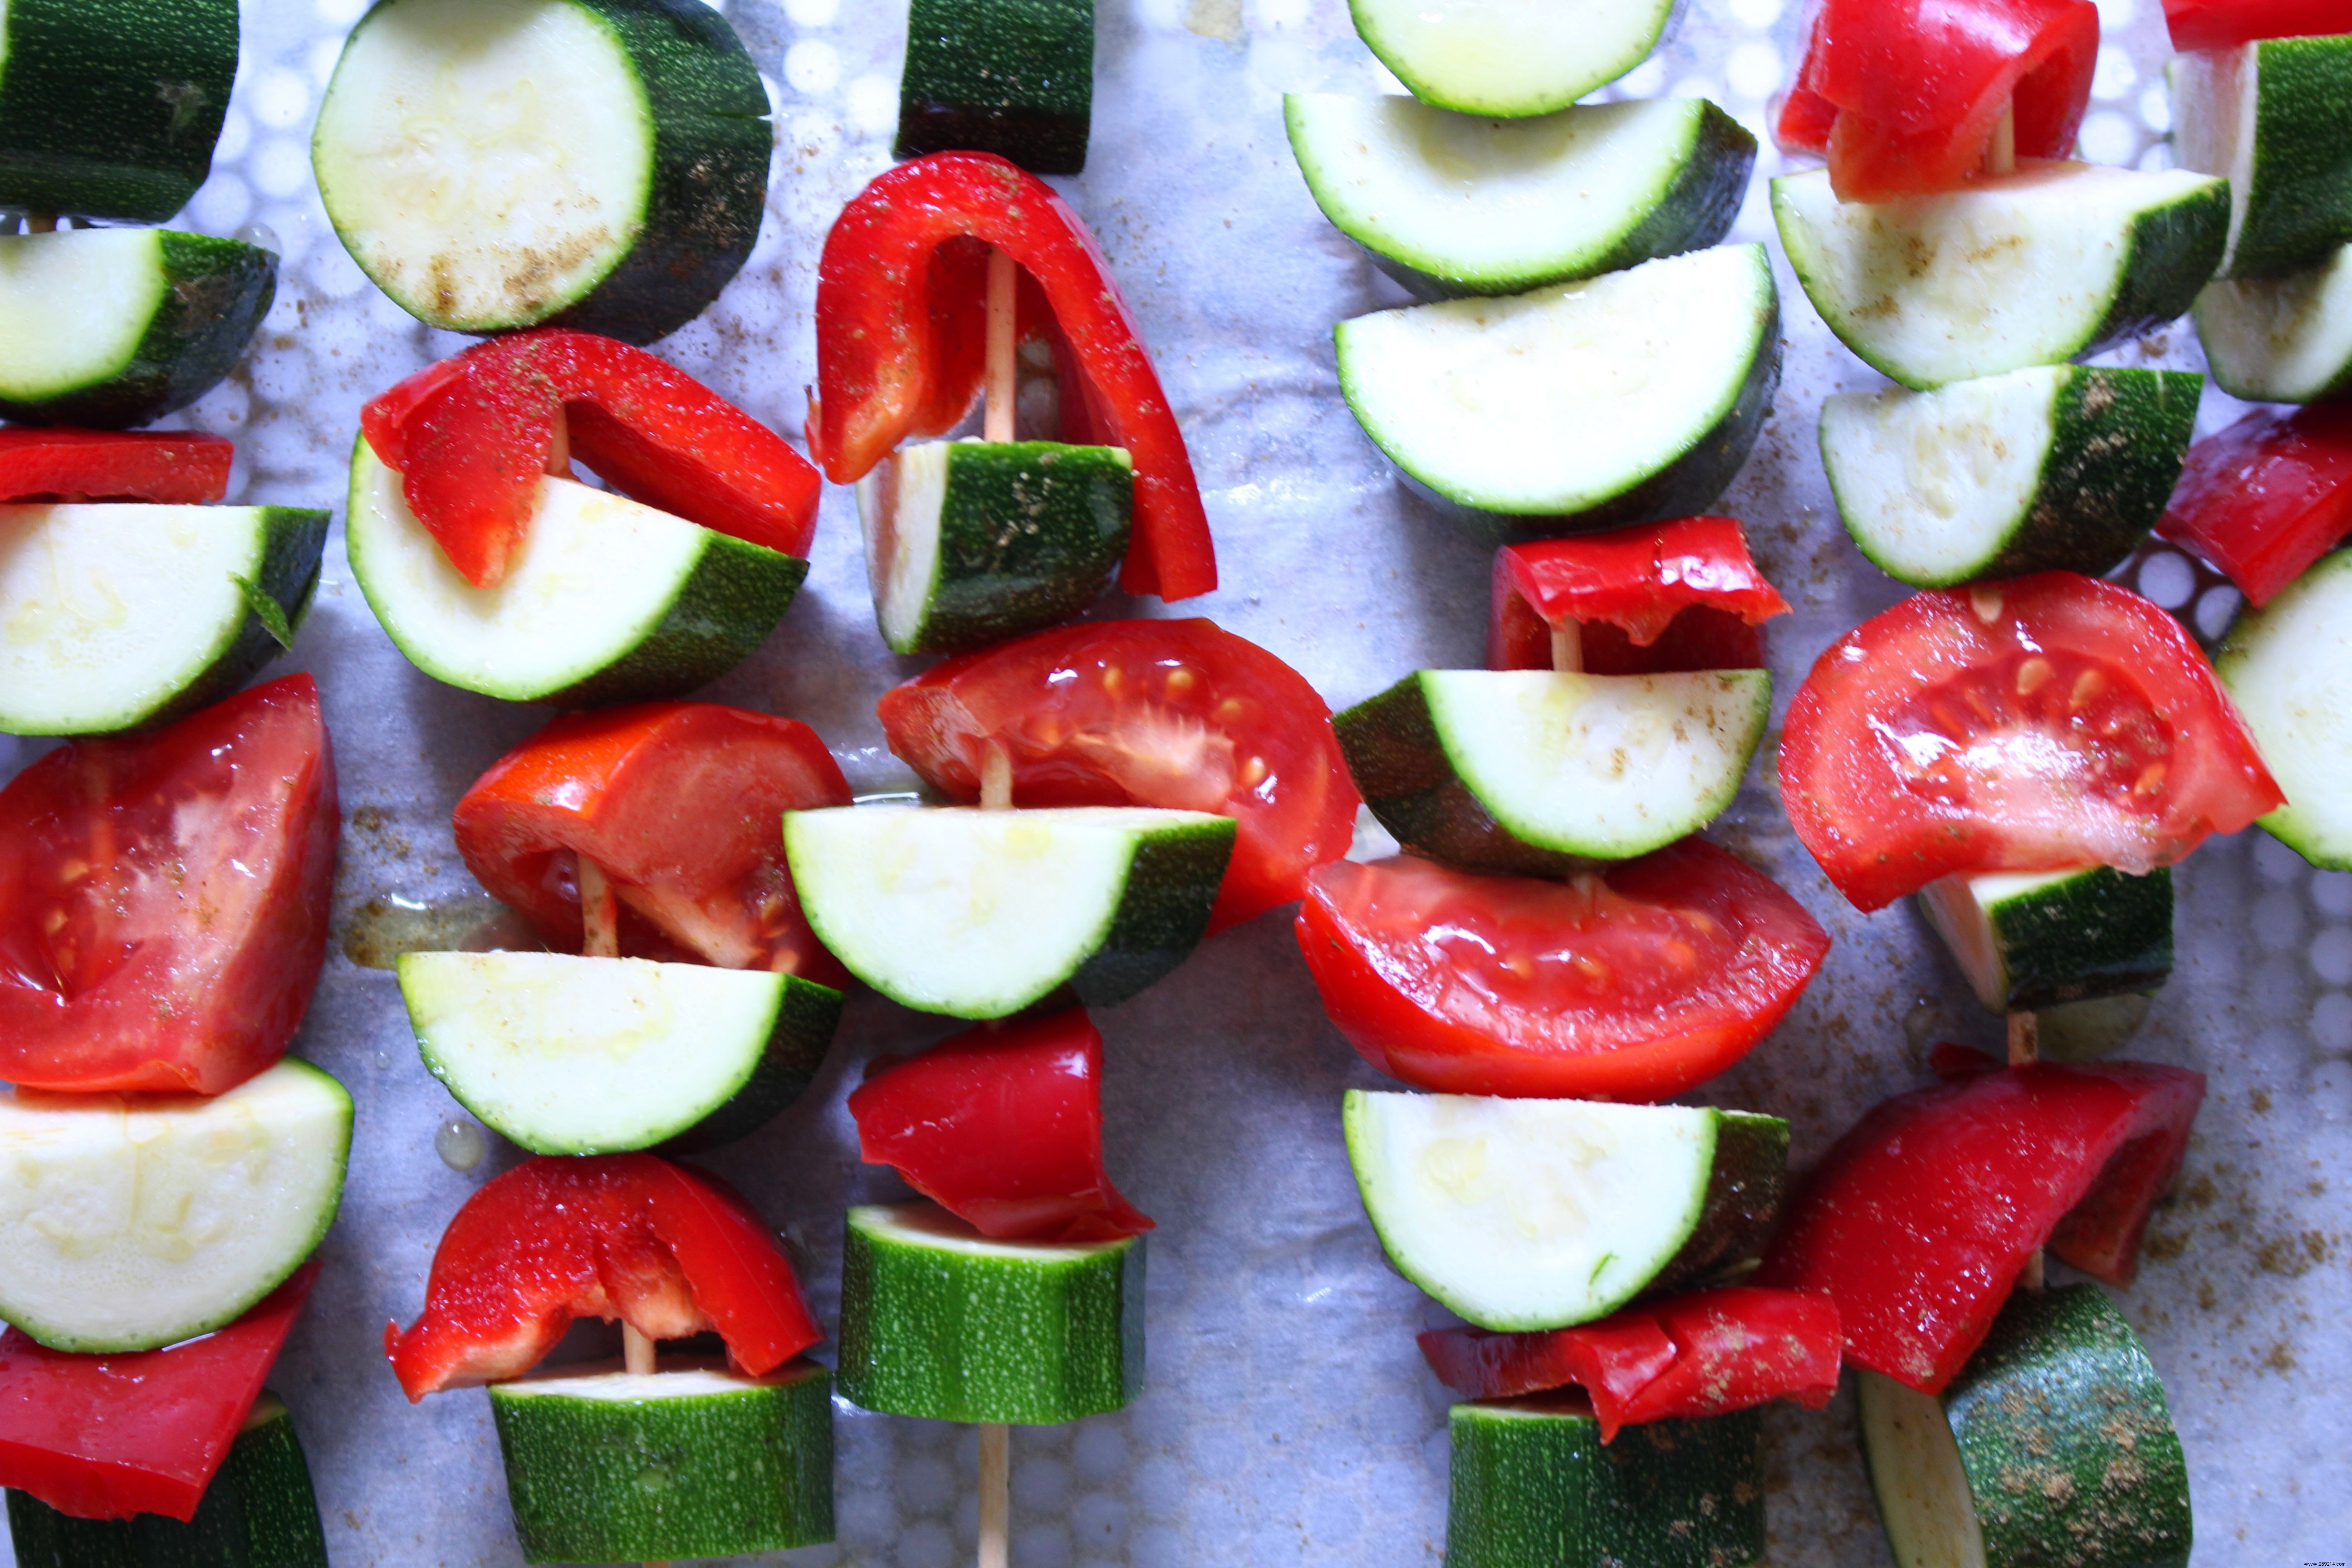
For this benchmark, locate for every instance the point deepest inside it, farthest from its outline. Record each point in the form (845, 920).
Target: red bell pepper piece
(472, 435)
(1003, 1129)
(2267, 497)
(1700, 1354)
(668, 1250)
(106, 1437)
(2226, 24)
(901, 308)
(1675, 595)
(177, 467)
(1903, 95)
(1919, 1219)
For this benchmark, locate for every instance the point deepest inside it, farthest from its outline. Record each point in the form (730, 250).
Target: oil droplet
(459, 1141)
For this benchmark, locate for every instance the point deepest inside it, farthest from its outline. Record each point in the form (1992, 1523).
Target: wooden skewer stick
(41, 223)
(995, 1495)
(2001, 153)
(1004, 276)
(600, 912)
(996, 779)
(1568, 647)
(559, 450)
(2025, 1046)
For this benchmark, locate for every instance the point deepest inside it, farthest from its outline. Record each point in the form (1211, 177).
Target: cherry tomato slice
(1168, 713)
(1633, 985)
(173, 467)
(2265, 498)
(2035, 724)
(669, 1250)
(164, 899)
(681, 803)
(1679, 595)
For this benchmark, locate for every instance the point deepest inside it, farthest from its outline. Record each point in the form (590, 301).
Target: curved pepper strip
(2264, 498)
(1679, 595)
(2226, 24)
(175, 468)
(1919, 1219)
(898, 307)
(472, 435)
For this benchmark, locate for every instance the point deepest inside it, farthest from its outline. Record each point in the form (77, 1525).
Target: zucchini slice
(2269, 116)
(979, 914)
(1015, 78)
(1622, 399)
(498, 163)
(2288, 669)
(2053, 262)
(117, 616)
(605, 1466)
(2028, 939)
(1541, 1214)
(2281, 340)
(114, 327)
(939, 1321)
(1533, 1487)
(1536, 771)
(2053, 1445)
(595, 1056)
(973, 542)
(2052, 467)
(607, 600)
(130, 1222)
(1452, 205)
(1510, 58)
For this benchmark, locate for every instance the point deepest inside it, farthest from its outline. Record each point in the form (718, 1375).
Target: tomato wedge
(1679, 595)
(175, 466)
(680, 804)
(1633, 985)
(1003, 1128)
(163, 899)
(2226, 24)
(2035, 724)
(669, 1250)
(2265, 498)
(1168, 713)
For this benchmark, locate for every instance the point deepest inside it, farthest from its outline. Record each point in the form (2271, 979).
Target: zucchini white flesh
(2087, 1030)
(2053, 262)
(2028, 939)
(132, 1221)
(593, 1055)
(2288, 669)
(1541, 1213)
(113, 617)
(606, 600)
(1451, 205)
(979, 914)
(1533, 772)
(498, 163)
(1510, 58)
(1622, 399)
(2052, 468)
(2281, 340)
(2269, 117)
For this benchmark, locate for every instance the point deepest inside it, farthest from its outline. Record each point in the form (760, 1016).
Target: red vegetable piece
(669, 1250)
(2267, 497)
(2042, 722)
(1179, 714)
(1633, 985)
(1003, 1127)
(2226, 24)
(106, 1437)
(1919, 1219)
(897, 330)
(176, 468)
(678, 803)
(471, 437)
(1648, 600)
(164, 899)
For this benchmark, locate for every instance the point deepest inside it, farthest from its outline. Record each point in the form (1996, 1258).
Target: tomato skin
(2034, 724)
(2268, 496)
(120, 970)
(1166, 713)
(106, 1437)
(680, 804)
(1679, 595)
(1003, 1128)
(1635, 984)
(173, 467)
(669, 1251)
(2225, 24)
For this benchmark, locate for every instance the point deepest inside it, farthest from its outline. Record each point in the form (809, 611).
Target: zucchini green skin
(1171, 885)
(1744, 1191)
(736, 594)
(2099, 934)
(1532, 1486)
(955, 1336)
(2299, 205)
(2172, 254)
(2281, 340)
(1015, 78)
(111, 111)
(805, 1023)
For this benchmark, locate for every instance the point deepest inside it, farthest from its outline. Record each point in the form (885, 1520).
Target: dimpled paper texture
(1289, 1417)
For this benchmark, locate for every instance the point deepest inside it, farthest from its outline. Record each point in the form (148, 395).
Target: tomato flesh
(175, 468)
(2225, 24)
(1680, 595)
(2265, 498)
(1180, 715)
(680, 804)
(1635, 984)
(164, 899)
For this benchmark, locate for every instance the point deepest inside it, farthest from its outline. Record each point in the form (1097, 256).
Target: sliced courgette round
(2288, 669)
(1015, 78)
(2269, 117)
(2281, 339)
(1510, 58)
(2028, 939)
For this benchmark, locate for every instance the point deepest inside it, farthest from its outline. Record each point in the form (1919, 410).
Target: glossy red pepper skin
(177, 467)
(669, 1250)
(1003, 1128)
(106, 1437)
(1679, 595)
(1700, 1354)
(1918, 1221)
(900, 308)
(2225, 24)
(2268, 496)
(471, 437)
